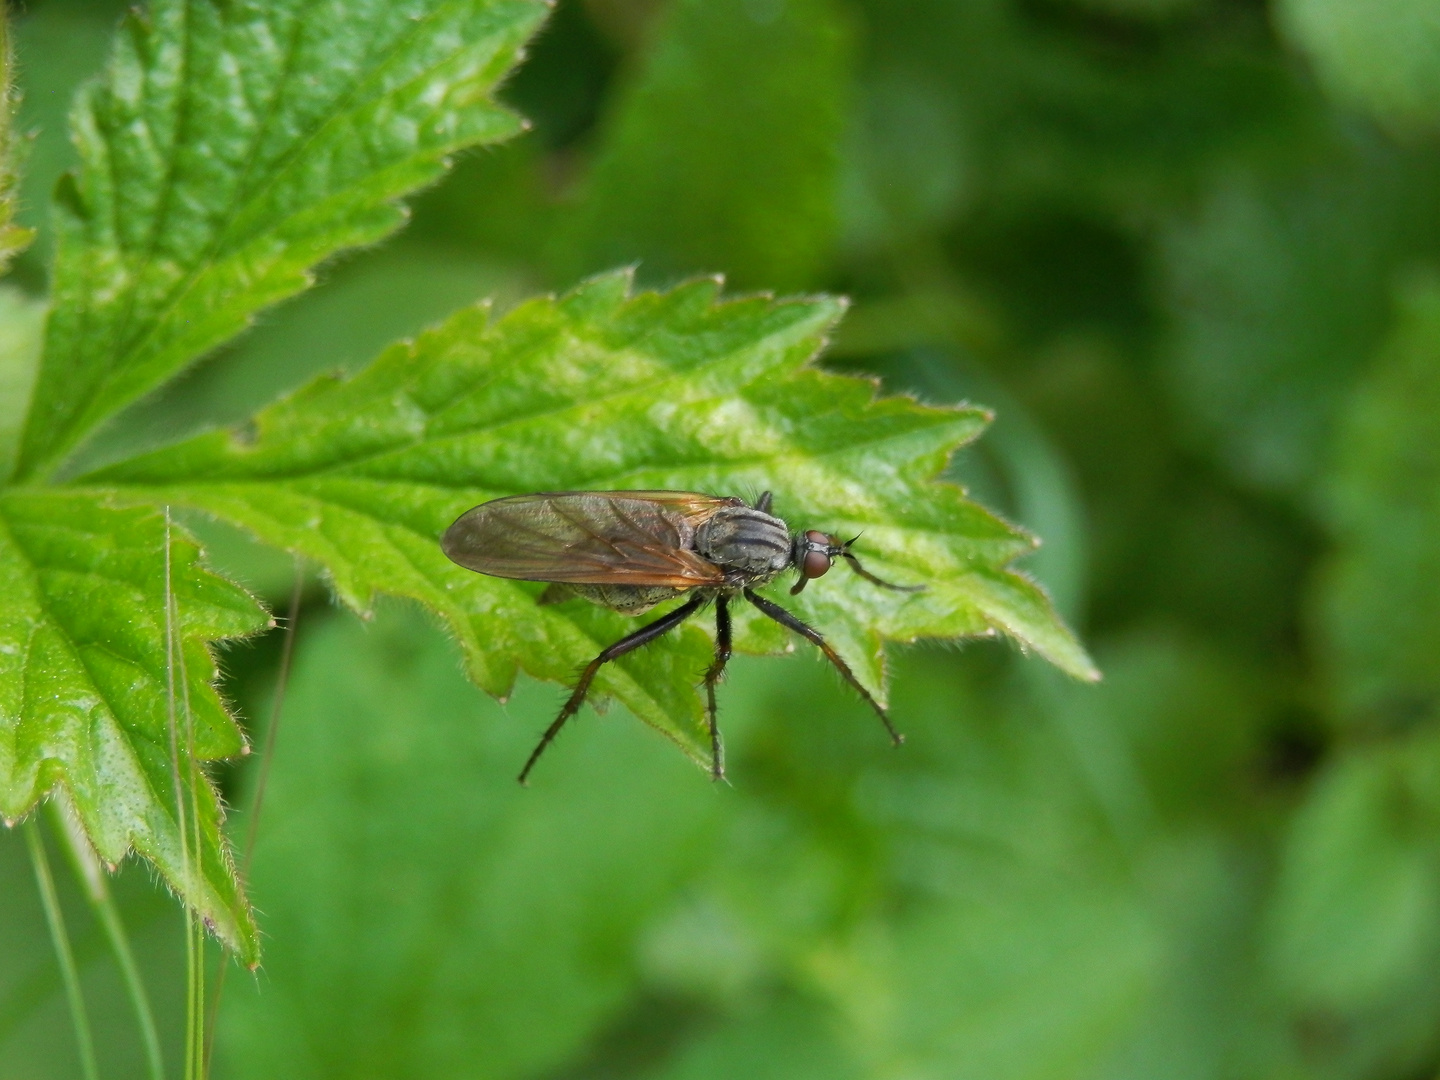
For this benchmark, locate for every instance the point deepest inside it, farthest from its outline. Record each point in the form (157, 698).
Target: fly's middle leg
(717, 669)
(629, 643)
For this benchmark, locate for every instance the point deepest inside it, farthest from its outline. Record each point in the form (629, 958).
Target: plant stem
(267, 756)
(194, 1017)
(109, 916)
(78, 1017)
(92, 878)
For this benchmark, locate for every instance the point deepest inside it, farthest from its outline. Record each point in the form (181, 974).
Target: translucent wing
(589, 538)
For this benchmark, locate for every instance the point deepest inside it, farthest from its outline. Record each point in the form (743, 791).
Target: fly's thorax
(745, 540)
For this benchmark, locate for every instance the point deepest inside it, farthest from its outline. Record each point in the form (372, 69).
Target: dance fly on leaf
(631, 550)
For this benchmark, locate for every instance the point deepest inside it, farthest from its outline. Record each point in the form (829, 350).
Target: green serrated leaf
(604, 390)
(85, 688)
(229, 148)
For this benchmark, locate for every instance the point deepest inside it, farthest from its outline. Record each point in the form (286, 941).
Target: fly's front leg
(717, 669)
(855, 565)
(629, 643)
(784, 618)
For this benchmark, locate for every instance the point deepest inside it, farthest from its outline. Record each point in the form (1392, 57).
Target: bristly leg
(785, 619)
(717, 669)
(629, 643)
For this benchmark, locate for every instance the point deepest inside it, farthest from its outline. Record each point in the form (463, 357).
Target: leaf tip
(1076, 663)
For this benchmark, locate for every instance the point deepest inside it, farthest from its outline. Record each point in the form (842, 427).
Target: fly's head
(812, 553)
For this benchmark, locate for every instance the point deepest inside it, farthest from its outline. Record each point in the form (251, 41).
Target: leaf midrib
(406, 444)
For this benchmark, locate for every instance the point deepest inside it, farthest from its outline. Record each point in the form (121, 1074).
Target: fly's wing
(588, 538)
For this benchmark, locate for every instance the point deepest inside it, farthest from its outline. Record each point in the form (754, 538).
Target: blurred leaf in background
(1354, 929)
(1185, 248)
(1380, 56)
(722, 148)
(1378, 602)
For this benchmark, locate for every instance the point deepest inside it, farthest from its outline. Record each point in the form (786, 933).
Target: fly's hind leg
(629, 643)
(789, 621)
(717, 669)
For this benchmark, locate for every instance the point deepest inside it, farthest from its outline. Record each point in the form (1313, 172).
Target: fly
(631, 550)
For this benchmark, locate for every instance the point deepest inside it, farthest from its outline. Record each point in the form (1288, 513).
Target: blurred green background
(1190, 252)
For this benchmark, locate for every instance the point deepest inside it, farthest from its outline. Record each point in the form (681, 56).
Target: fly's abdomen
(626, 599)
(746, 540)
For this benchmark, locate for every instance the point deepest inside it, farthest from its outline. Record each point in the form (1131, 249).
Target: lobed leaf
(90, 700)
(228, 149)
(604, 390)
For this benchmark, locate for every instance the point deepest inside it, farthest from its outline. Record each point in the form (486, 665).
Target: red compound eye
(816, 564)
